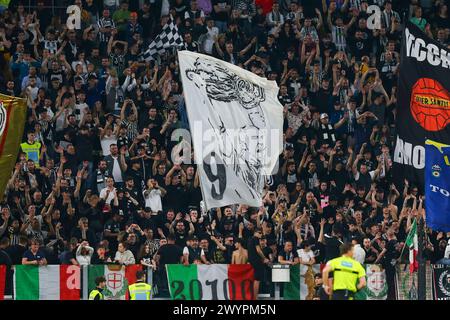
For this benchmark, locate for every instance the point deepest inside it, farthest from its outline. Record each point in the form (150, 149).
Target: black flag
(423, 103)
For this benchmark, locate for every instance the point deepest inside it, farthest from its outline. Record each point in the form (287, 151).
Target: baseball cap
(133, 14)
(323, 116)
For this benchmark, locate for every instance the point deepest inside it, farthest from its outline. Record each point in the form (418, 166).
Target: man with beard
(312, 207)
(179, 228)
(131, 190)
(192, 251)
(102, 174)
(227, 221)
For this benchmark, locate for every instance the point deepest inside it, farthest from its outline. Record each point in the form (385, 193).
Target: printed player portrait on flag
(236, 123)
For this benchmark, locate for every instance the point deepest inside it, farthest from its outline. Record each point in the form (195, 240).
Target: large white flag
(236, 123)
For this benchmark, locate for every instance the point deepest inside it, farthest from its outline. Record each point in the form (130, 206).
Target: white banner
(236, 122)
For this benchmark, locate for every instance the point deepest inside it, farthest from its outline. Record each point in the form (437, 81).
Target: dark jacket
(110, 165)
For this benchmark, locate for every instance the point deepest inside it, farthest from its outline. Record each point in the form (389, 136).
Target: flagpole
(399, 260)
(421, 270)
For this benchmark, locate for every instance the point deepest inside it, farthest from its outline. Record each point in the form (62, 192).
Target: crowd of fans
(94, 181)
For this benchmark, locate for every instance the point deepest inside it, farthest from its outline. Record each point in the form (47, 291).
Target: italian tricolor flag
(210, 282)
(412, 244)
(53, 282)
(118, 278)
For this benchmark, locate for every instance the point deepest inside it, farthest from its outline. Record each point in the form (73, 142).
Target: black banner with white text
(423, 108)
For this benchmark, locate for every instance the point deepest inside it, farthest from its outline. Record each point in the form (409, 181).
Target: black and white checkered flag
(168, 38)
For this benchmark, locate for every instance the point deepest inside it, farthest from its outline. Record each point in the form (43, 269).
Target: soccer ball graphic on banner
(430, 104)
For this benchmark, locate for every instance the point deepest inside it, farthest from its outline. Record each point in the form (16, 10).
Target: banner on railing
(52, 282)
(441, 282)
(407, 283)
(205, 282)
(210, 282)
(2, 281)
(377, 287)
(118, 278)
(301, 285)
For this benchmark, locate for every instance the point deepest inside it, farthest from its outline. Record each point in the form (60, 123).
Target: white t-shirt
(359, 254)
(110, 197)
(305, 256)
(59, 123)
(165, 7)
(80, 114)
(117, 173)
(33, 92)
(209, 40)
(106, 142)
(153, 200)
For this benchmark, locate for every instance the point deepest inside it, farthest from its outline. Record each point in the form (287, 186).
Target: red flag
(2, 281)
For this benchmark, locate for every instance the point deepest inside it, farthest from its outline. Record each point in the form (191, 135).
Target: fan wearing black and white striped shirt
(388, 15)
(105, 26)
(339, 30)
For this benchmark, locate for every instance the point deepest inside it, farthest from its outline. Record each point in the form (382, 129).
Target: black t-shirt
(360, 47)
(134, 193)
(322, 100)
(175, 197)
(267, 251)
(161, 222)
(112, 226)
(371, 255)
(56, 75)
(391, 253)
(253, 256)
(16, 253)
(96, 259)
(339, 177)
(33, 257)
(289, 256)
(312, 210)
(332, 245)
(145, 223)
(67, 256)
(329, 211)
(181, 238)
(156, 125)
(170, 254)
(220, 16)
(5, 259)
(84, 148)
